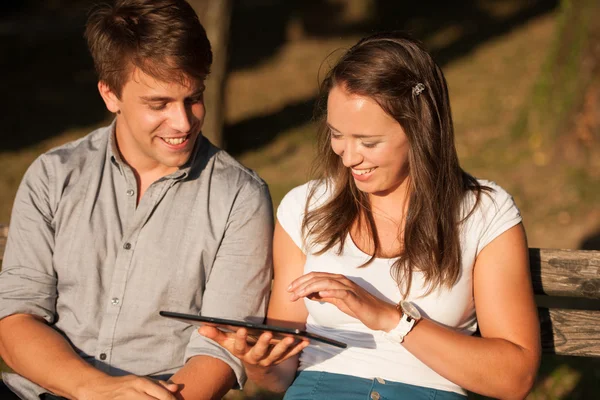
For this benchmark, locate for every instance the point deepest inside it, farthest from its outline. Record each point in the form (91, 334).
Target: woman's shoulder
(316, 191)
(491, 195)
(488, 213)
(489, 206)
(292, 208)
(491, 184)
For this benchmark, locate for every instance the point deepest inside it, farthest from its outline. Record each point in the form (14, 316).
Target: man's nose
(181, 118)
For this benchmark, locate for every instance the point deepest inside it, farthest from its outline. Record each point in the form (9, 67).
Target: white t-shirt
(369, 355)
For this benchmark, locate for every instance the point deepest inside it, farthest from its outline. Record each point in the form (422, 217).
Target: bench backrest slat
(570, 332)
(572, 273)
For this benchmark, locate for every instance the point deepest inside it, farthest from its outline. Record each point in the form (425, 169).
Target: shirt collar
(195, 157)
(112, 151)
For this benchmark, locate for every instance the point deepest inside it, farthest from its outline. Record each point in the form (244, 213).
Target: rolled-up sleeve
(28, 281)
(239, 283)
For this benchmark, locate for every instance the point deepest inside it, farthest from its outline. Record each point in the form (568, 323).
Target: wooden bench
(560, 278)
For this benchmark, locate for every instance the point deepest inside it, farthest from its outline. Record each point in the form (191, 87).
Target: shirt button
(114, 301)
(130, 192)
(103, 357)
(127, 246)
(375, 396)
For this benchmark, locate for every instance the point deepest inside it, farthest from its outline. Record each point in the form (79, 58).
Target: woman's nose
(350, 156)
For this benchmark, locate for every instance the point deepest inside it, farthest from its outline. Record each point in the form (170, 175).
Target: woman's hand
(349, 297)
(265, 352)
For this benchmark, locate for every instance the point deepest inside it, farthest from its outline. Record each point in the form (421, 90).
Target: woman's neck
(392, 205)
(389, 215)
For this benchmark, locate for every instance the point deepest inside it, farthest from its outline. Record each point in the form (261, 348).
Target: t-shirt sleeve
(499, 213)
(291, 212)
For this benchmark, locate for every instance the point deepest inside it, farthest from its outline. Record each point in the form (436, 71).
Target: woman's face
(371, 143)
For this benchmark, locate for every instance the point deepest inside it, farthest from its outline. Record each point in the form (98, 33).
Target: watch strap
(404, 326)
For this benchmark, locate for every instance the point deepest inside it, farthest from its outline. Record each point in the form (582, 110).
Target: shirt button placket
(109, 322)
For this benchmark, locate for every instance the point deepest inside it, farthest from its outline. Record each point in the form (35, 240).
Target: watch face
(410, 309)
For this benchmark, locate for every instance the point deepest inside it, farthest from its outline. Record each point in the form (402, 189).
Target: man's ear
(110, 98)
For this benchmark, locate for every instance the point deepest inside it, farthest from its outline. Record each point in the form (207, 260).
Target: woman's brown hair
(163, 38)
(391, 68)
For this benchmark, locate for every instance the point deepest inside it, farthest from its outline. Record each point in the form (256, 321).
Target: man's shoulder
(78, 152)
(229, 171)
(68, 161)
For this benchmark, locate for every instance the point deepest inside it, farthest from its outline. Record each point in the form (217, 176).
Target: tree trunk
(215, 16)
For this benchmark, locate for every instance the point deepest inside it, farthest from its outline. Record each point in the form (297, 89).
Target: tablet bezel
(223, 324)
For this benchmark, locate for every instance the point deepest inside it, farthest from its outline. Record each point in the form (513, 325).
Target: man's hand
(127, 387)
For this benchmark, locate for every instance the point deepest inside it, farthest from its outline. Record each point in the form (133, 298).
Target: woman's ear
(110, 98)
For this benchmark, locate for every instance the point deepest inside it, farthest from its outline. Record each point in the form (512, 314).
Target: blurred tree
(215, 16)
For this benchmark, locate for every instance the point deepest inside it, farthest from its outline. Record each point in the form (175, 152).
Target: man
(140, 216)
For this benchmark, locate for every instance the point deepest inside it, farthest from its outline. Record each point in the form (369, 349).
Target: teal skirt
(310, 385)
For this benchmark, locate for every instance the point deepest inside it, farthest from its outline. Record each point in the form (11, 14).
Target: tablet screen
(254, 330)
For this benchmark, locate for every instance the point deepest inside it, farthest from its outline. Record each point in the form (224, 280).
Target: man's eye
(157, 107)
(194, 100)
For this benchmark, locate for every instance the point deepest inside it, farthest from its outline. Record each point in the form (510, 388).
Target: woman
(395, 250)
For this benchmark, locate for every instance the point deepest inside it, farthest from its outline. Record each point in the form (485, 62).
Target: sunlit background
(524, 79)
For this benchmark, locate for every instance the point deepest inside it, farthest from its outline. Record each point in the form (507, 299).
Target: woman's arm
(503, 362)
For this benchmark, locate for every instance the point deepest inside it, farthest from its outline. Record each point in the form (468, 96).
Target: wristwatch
(410, 316)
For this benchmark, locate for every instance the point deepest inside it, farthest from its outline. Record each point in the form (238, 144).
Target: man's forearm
(39, 353)
(204, 377)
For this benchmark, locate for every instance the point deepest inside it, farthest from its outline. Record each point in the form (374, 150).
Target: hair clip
(418, 89)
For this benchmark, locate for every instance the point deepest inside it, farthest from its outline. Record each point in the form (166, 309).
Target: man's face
(158, 122)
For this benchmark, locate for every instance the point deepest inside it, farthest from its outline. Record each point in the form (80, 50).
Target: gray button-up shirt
(98, 268)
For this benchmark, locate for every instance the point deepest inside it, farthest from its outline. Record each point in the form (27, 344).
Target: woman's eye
(370, 144)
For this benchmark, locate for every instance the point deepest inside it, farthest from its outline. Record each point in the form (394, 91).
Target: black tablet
(254, 330)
